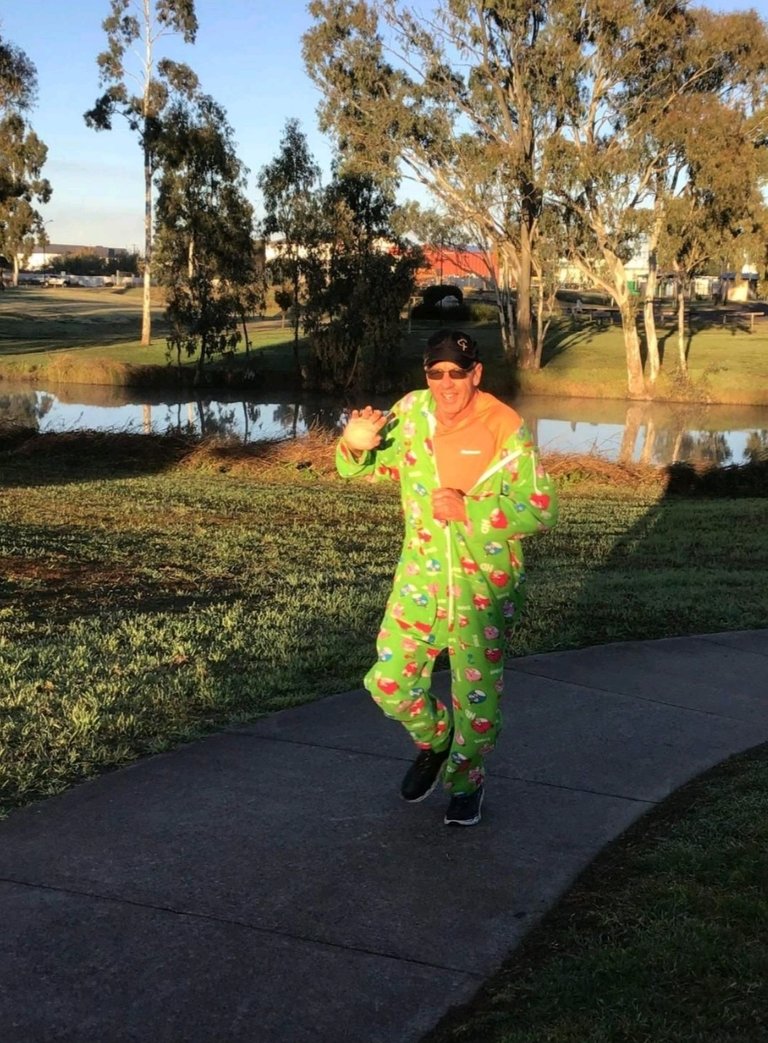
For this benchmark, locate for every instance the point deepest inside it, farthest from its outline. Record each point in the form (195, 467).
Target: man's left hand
(448, 505)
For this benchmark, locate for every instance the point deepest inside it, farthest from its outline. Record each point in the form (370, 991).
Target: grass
(726, 366)
(152, 590)
(90, 336)
(661, 940)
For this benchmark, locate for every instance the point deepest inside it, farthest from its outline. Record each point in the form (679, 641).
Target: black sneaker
(422, 776)
(464, 809)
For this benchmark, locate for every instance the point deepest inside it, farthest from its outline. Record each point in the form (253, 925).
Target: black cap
(451, 346)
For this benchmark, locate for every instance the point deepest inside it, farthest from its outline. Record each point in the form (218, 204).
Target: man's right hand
(362, 430)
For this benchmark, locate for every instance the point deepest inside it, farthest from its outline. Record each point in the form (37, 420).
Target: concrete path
(267, 884)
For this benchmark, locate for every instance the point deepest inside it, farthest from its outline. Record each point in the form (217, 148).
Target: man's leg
(400, 682)
(476, 680)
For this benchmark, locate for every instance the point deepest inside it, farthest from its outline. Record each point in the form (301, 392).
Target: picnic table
(601, 314)
(743, 318)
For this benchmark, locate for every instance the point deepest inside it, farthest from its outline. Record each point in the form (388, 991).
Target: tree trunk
(620, 293)
(246, 338)
(296, 360)
(506, 325)
(682, 361)
(146, 314)
(526, 356)
(651, 338)
(503, 304)
(543, 305)
(635, 379)
(15, 269)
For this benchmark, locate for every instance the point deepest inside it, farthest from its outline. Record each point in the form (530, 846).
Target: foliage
(432, 295)
(24, 155)
(92, 264)
(18, 77)
(290, 187)
(358, 292)
(205, 248)
(525, 116)
(143, 22)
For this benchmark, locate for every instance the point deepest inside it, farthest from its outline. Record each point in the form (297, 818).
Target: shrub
(482, 311)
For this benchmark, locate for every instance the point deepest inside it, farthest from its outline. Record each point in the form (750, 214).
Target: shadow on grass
(61, 458)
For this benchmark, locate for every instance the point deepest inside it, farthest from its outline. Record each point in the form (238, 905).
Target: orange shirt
(464, 450)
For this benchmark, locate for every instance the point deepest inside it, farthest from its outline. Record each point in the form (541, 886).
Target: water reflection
(651, 433)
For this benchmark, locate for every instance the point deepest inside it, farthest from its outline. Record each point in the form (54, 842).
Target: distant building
(459, 267)
(44, 257)
(737, 286)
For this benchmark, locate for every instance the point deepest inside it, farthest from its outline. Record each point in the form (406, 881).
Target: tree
(460, 97)
(504, 110)
(18, 77)
(705, 185)
(24, 155)
(205, 248)
(290, 186)
(356, 295)
(143, 22)
(18, 90)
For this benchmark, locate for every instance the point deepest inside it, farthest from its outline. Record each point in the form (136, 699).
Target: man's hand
(362, 430)
(448, 505)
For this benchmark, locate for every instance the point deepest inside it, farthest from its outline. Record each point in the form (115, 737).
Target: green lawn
(79, 335)
(91, 336)
(143, 601)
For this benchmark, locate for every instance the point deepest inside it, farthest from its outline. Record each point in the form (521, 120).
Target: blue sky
(247, 55)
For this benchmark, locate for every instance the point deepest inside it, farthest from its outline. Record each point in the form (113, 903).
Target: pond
(654, 433)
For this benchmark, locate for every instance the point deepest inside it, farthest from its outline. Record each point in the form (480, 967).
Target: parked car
(62, 280)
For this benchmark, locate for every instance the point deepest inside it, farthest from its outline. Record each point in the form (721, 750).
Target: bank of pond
(644, 432)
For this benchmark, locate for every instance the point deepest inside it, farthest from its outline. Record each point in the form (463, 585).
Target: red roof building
(446, 265)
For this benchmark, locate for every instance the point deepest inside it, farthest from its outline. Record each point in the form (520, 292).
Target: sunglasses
(454, 374)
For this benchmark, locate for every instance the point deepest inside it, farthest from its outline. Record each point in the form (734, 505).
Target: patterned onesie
(458, 585)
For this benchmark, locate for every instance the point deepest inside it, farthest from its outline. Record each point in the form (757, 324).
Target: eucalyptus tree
(291, 190)
(717, 218)
(706, 142)
(18, 77)
(205, 248)
(133, 29)
(23, 157)
(648, 67)
(504, 110)
(458, 98)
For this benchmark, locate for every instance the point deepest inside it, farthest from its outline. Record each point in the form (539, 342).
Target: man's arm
(527, 499)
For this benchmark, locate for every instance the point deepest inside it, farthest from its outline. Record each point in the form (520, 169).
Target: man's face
(452, 394)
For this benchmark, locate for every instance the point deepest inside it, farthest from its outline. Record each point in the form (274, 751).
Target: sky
(247, 56)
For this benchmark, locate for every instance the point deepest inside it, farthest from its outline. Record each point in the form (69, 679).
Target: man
(471, 487)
